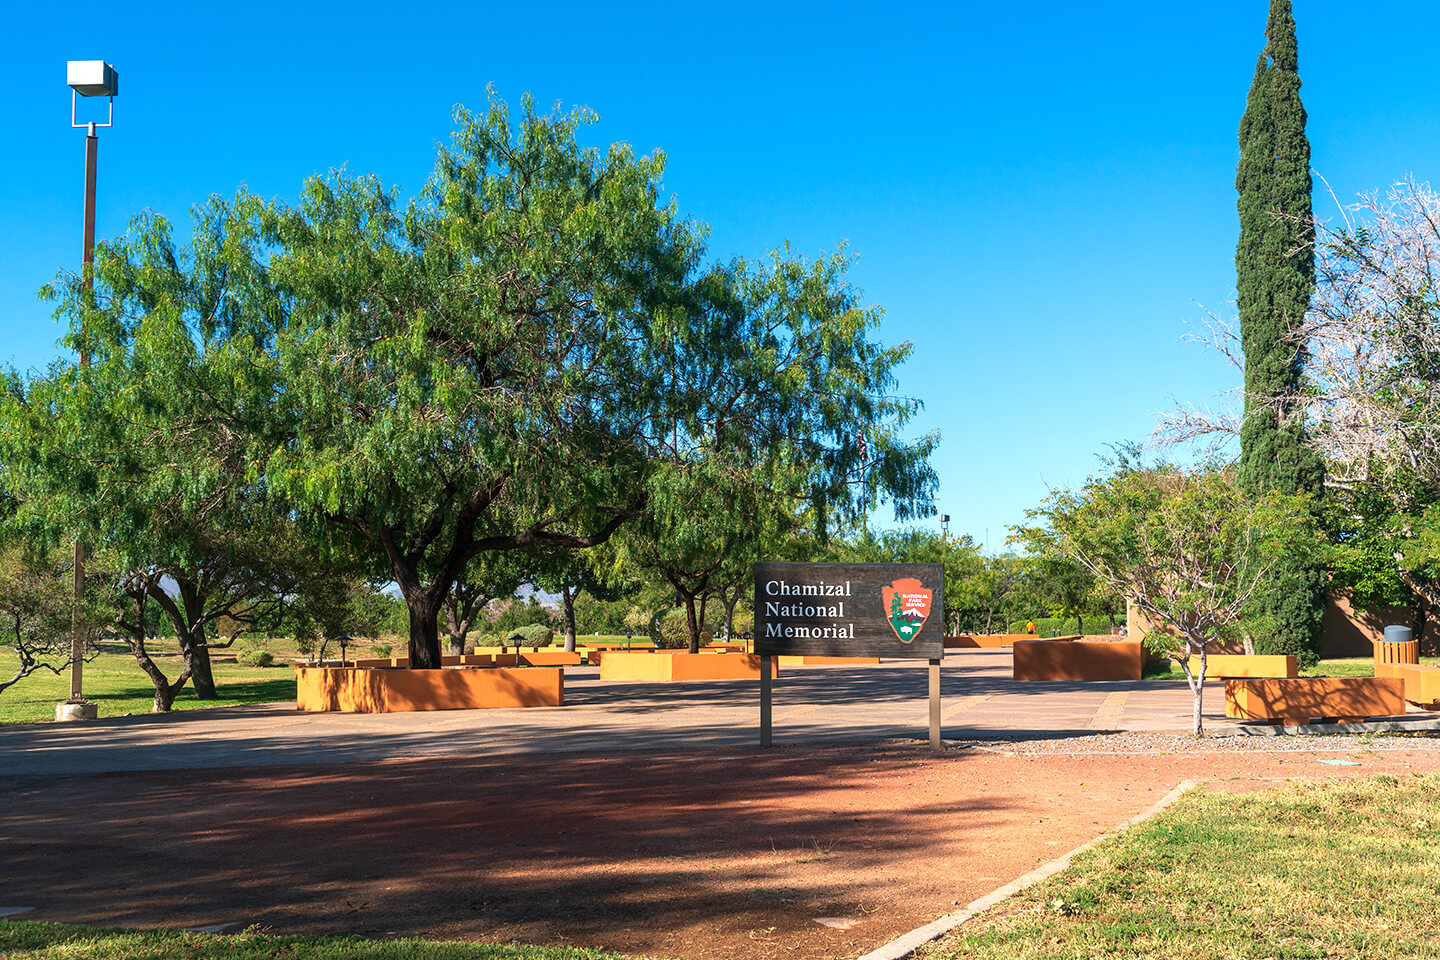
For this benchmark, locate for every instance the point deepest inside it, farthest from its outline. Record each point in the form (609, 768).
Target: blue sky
(1040, 195)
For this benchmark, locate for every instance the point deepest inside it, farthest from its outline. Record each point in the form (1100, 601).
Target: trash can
(1397, 634)
(1396, 649)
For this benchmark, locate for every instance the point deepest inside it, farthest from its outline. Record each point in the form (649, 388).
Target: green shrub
(383, 650)
(670, 629)
(255, 658)
(530, 635)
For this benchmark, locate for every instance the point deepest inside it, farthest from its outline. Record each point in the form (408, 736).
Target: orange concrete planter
(396, 691)
(621, 645)
(1301, 699)
(529, 657)
(540, 658)
(618, 665)
(1077, 660)
(788, 661)
(985, 641)
(1422, 684)
(1391, 655)
(1238, 666)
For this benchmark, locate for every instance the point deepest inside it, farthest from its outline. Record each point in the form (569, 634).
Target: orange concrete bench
(1302, 699)
(347, 689)
(1078, 660)
(1388, 656)
(1422, 683)
(809, 661)
(1240, 666)
(971, 641)
(618, 665)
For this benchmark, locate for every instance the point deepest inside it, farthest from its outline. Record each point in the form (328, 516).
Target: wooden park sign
(894, 610)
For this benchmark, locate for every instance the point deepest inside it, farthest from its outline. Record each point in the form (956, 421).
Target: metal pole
(764, 701)
(87, 280)
(934, 706)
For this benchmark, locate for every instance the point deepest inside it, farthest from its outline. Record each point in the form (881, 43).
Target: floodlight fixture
(92, 78)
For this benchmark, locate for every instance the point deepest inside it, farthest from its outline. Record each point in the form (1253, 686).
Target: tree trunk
(196, 653)
(165, 691)
(692, 622)
(729, 604)
(453, 628)
(567, 600)
(424, 632)
(1198, 688)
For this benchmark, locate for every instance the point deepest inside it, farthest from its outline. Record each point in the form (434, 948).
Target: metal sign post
(850, 610)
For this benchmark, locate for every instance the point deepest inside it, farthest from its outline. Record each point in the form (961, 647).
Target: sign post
(850, 610)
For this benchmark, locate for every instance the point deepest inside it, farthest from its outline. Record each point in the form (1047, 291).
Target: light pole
(87, 78)
(945, 527)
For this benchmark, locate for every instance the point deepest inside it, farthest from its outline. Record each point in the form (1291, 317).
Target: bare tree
(36, 608)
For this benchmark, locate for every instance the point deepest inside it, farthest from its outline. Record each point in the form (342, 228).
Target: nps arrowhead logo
(909, 604)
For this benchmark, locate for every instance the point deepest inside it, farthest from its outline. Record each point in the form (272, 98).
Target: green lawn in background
(1345, 667)
(115, 682)
(53, 941)
(1307, 870)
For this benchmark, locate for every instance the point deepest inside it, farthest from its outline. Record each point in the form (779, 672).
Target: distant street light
(945, 526)
(87, 78)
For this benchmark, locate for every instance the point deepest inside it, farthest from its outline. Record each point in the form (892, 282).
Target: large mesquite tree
(1275, 277)
(474, 370)
(527, 356)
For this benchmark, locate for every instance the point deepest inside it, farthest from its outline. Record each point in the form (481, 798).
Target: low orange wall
(1301, 699)
(788, 661)
(1222, 666)
(541, 658)
(618, 665)
(1422, 684)
(1077, 660)
(401, 690)
(505, 657)
(620, 645)
(985, 641)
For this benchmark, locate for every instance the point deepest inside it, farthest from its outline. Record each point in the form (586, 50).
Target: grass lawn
(1306, 870)
(54, 941)
(115, 682)
(1347, 667)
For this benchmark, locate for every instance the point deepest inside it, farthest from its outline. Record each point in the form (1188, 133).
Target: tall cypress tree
(1275, 276)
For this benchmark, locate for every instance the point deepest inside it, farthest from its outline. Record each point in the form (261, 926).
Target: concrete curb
(905, 945)
(1366, 726)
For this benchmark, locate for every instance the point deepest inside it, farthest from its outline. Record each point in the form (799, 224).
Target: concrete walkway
(812, 705)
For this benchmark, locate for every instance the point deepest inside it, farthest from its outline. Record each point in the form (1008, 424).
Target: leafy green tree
(568, 574)
(1188, 547)
(489, 577)
(141, 452)
(474, 371)
(961, 557)
(1275, 277)
(788, 424)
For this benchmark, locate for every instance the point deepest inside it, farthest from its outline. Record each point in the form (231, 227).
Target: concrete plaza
(811, 705)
